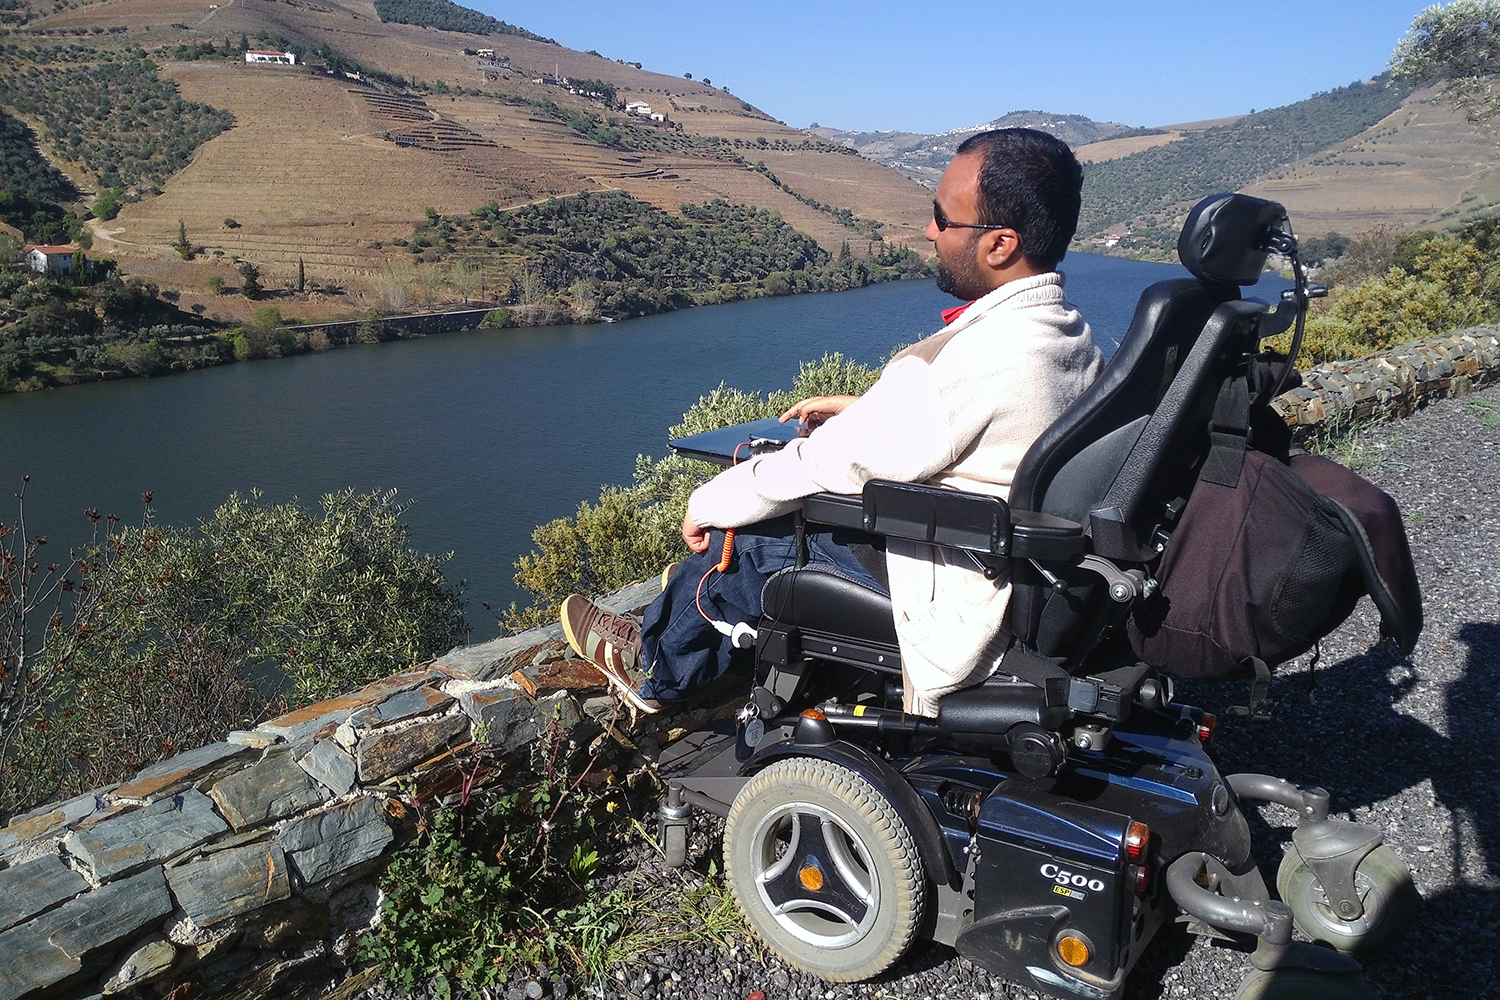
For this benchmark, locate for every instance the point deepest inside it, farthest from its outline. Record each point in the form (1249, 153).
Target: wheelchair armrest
(837, 509)
(972, 521)
(1044, 537)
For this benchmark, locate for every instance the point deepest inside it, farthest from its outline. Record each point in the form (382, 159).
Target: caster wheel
(1385, 889)
(824, 869)
(1303, 984)
(674, 845)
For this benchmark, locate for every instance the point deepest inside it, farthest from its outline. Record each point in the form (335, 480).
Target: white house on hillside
(268, 56)
(638, 108)
(58, 259)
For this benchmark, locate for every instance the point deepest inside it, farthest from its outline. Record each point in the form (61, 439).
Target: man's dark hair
(1030, 182)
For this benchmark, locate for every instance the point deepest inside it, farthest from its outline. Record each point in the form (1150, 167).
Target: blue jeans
(680, 651)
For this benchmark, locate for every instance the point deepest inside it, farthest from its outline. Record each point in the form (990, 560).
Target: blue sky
(930, 67)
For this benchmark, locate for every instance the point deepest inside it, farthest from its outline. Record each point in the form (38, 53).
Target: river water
(490, 432)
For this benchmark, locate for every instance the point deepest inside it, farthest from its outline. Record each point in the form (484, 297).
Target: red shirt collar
(949, 315)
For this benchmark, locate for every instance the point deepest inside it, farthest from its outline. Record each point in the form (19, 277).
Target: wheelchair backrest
(1124, 456)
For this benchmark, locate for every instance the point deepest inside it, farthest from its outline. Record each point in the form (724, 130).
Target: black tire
(674, 845)
(1386, 890)
(824, 869)
(1303, 984)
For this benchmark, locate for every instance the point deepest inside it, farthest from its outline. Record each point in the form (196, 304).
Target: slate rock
(308, 720)
(324, 844)
(146, 961)
(331, 765)
(384, 753)
(228, 883)
(406, 705)
(267, 791)
(146, 836)
(39, 885)
(175, 773)
(53, 947)
(51, 818)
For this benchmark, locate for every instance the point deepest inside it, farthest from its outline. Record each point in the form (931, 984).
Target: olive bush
(154, 639)
(631, 532)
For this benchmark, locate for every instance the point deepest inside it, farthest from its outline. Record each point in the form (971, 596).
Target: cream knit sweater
(959, 409)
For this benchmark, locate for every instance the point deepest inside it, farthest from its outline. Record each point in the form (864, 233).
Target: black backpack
(1271, 553)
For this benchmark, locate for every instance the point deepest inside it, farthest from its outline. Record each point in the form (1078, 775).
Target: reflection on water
(490, 432)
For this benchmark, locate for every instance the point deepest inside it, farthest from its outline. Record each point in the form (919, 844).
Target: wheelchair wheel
(1385, 888)
(824, 869)
(1303, 984)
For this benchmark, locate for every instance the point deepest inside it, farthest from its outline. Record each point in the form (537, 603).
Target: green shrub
(164, 638)
(496, 319)
(1432, 285)
(631, 532)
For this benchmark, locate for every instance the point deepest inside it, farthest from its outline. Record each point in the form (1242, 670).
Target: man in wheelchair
(959, 409)
(987, 752)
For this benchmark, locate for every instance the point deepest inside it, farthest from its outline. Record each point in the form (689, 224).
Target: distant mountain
(923, 157)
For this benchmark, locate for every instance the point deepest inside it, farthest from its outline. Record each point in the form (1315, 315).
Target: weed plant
(508, 881)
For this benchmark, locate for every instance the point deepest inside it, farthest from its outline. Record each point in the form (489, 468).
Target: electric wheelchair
(1049, 821)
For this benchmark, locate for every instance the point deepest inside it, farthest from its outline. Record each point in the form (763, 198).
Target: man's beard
(963, 281)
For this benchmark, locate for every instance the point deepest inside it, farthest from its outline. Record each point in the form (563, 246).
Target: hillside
(327, 168)
(923, 157)
(1147, 192)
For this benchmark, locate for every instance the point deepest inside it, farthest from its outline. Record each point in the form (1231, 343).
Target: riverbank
(38, 356)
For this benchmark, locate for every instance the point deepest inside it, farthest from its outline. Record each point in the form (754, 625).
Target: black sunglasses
(944, 223)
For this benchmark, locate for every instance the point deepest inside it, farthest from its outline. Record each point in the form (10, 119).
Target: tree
(185, 250)
(301, 276)
(216, 282)
(1459, 44)
(250, 285)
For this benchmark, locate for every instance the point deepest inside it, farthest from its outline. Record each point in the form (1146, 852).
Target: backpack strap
(1228, 431)
(1259, 709)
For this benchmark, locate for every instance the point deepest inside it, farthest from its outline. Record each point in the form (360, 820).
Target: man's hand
(816, 409)
(696, 537)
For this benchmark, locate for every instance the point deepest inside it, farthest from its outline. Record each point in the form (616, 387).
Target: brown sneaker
(611, 642)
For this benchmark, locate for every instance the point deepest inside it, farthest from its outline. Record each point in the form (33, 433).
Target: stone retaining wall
(247, 868)
(1394, 383)
(419, 324)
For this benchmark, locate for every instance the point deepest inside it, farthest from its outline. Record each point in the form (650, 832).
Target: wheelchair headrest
(1225, 240)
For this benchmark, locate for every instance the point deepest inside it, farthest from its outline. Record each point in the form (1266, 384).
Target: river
(490, 432)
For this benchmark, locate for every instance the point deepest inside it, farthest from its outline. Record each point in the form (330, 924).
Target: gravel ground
(1411, 746)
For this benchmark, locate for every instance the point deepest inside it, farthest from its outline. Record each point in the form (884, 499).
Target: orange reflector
(814, 714)
(1207, 723)
(811, 878)
(1137, 837)
(1073, 951)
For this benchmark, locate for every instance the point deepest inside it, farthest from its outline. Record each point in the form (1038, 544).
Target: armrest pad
(837, 509)
(1044, 537)
(972, 521)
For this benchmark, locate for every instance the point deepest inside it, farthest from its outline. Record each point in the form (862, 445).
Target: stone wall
(419, 324)
(248, 868)
(1393, 383)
